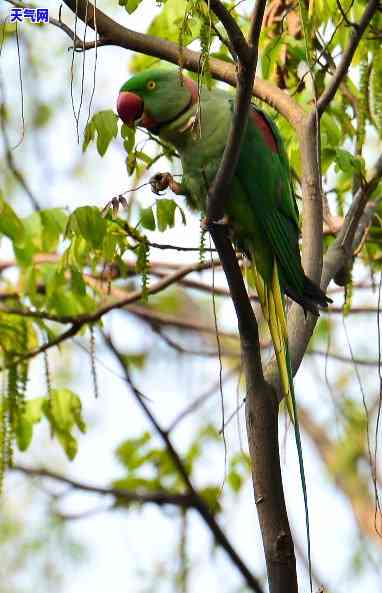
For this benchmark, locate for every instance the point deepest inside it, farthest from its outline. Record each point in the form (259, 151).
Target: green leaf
(132, 5)
(235, 481)
(88, 135)
(165, 213)
(348, 163)
(105, 125)
(42, 233)
(142, 156)
(239, 470)
(10, 223)
(42, 115)
(87, 222)
(327, 158)
(128, 135)
(109, 246)
(53, 223)
(146, 218)
(77, 252)
(68, 302)
(63, 411)
(211, 496)
(269, 56)
(137, 361)
(31, 414)
(131, 163)
(331, 135)
(134, 483)
(77, 282)
(132, 452)
(296, 47)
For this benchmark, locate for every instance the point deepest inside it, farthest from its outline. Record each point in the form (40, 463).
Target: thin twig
(183, 500)
(199, 401)
(9, 156)
(84, 319)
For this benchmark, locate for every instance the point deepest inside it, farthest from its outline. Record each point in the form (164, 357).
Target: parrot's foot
(162, 181)
(205, 223)
(115, 203)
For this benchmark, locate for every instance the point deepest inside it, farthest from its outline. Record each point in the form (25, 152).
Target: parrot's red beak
(129, 107)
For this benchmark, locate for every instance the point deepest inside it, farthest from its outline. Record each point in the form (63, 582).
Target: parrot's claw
(114, 203)
(160, 182)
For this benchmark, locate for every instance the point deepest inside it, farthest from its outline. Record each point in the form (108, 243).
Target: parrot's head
(155, 97)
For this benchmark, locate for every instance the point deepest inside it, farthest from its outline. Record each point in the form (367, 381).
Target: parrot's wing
(271, 136)
(264, 175)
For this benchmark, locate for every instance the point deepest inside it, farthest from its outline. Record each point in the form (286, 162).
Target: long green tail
(272, 305)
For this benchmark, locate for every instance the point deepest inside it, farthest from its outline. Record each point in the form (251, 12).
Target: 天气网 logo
(34, 15)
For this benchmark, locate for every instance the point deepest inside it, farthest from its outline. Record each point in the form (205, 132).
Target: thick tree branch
(113, 33)
(261, 402)
(235, 36)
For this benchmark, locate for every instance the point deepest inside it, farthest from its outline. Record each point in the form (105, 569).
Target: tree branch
(127, 496)
(9, 156)
(115, 34)
(82, 320)
(341, 358)
(261, 401)
(235, 36)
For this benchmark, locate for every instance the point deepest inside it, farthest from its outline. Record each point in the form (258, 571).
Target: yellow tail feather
(273, 310)
(272, 305)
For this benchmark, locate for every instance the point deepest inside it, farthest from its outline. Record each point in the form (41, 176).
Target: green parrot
(261, 210)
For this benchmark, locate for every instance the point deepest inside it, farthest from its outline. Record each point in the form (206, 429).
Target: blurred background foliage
(70, 252)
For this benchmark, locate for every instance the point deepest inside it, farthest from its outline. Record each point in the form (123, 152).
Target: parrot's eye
(151, 85)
